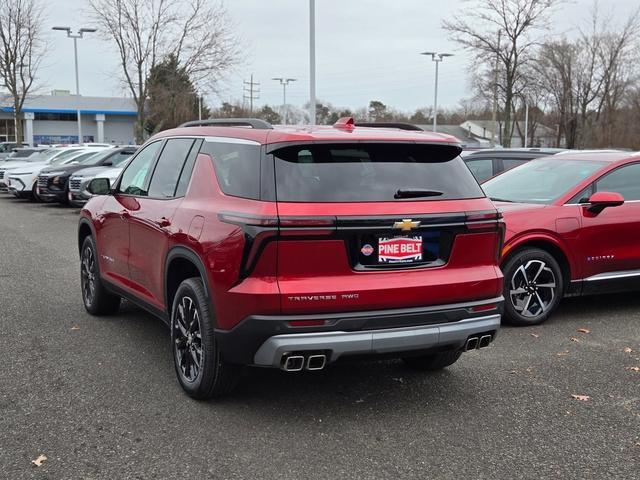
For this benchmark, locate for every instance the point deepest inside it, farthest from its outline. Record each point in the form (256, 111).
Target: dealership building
(52, 119)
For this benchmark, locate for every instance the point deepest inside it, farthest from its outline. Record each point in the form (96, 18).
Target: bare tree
(587, 79)
(502, 30)
(22, 50)
(196, 32)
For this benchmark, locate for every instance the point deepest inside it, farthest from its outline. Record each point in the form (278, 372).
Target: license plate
(400, 249)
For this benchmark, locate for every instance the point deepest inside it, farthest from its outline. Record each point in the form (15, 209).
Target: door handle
(163, 222)
(124, 215)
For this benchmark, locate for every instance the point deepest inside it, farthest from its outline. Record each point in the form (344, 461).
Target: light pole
(75, 37)
(284, 82)
(312, 62)
(436, 57)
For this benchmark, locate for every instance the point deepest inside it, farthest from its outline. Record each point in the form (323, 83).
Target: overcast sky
(366, 49)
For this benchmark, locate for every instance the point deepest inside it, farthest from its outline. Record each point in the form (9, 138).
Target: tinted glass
(23, 153)
(89, 158)
(167, 172)
(118, 159)
(237, 168)
(540, 181)
(482, 169)
(624, 180)
(134, 177)
(187, 169)
(65, 156)
(509, 163)
(370, 173)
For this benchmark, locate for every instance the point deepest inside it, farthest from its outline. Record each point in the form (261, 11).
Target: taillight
(297, 226)
(243, 219)
(260, 229)
(486, 221)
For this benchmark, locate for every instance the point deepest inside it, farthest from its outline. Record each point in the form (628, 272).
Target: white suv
(19, 178)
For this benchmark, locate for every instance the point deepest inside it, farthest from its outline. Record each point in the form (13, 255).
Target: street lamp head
(64, 29)
(277, 79)
(291, 80)
(442, 55)
(428, 53)
(88, 30)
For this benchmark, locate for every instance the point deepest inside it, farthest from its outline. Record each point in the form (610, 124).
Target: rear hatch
(370, 226)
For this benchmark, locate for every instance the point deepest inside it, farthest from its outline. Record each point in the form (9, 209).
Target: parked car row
(44, 174)
(293, 248)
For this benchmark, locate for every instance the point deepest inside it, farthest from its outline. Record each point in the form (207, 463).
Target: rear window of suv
(370, 173)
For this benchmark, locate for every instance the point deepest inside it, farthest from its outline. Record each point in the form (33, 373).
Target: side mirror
(99, 186)
(601, 200)
(108, 163)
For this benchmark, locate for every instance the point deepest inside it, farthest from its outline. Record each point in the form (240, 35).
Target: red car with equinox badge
(572, 228)
(294, 247)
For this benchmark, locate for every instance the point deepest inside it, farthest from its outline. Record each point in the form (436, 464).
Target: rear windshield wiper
(494, 199)
(416, 193)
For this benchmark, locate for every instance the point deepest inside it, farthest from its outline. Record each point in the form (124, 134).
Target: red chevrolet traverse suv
(291, 247)
(573, 228)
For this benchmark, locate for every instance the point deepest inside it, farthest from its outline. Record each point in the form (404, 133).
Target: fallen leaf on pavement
(582, 398)
(627, 350)
(535, 335)
(634, 369)
(39, 461)
(584, 330)
(574, 339)
(75, 327)
(563, 354)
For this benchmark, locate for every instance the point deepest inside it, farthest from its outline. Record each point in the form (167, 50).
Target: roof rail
(230, 122)
(398, 125)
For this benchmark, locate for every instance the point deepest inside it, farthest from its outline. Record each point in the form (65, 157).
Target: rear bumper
(263, 340)
(376, 342)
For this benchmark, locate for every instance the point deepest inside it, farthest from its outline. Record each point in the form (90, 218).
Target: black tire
(433, 361)
(196, 357)
(96, 298)
(34, 193)
(533, 286)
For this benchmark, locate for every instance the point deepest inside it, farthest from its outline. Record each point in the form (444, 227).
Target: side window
(237, 167)
(482, 168)
(509, 163)
(167, 172)
(582, 197)
(624, 180)
(134, 177)
(187, 169)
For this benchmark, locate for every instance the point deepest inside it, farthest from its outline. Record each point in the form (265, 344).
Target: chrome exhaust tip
(485, 340)
(293, 363)
(316, 362)
(472, 343)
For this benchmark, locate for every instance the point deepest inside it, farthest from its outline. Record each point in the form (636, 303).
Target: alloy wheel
(188, 338)
(533, 288)
(88, 275)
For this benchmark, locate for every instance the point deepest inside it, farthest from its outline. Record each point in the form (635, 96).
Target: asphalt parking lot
(99, 398)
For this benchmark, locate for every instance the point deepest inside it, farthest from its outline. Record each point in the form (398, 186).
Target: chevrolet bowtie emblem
(406, 224)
